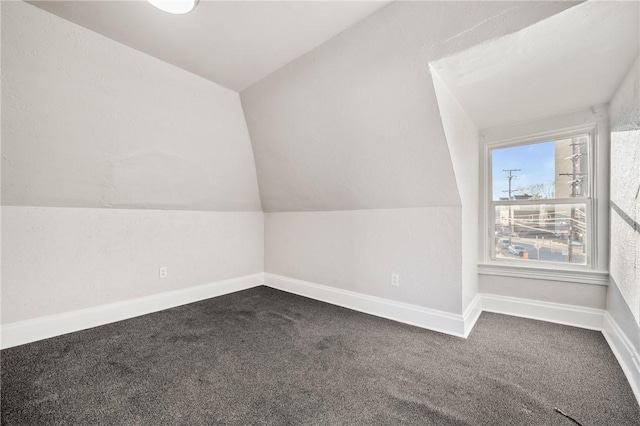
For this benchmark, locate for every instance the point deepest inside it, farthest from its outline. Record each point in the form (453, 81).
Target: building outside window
(541, 200)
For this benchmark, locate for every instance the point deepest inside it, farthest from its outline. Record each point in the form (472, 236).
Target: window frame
(591, 122)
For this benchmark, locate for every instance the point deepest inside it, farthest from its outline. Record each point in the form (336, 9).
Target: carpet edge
(431, 319)
(627, 356)
(31, 330)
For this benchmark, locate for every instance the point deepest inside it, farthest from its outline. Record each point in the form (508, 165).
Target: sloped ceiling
(89, 122)
(354, 124)
(232, 43)
(571, 61)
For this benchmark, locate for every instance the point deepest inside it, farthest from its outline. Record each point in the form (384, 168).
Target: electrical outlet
(163, 272)
(395, 280)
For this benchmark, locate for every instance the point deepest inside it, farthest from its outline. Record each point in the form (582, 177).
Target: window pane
(549, 233)
(542, 170)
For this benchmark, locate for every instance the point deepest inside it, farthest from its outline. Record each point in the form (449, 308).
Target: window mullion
(552, 231)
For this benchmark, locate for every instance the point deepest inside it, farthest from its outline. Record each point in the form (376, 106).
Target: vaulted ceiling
(232, 43)
(355, 123)
(341, 109)
(570, 61)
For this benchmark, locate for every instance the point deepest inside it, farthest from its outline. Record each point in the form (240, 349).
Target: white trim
(558, 313)
(627, 356)
(432, 319)
(19, 333)
(545, 127)
(22, 332)
(566, 275)
(471, 314)
(593, 121)
(589, 318)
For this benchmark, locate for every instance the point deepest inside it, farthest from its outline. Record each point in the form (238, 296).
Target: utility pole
(576, 190)
(510, 177)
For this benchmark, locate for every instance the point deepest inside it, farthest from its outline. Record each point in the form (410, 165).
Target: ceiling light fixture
(177, 7)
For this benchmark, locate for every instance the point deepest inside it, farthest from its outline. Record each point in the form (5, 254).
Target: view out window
(541, 201)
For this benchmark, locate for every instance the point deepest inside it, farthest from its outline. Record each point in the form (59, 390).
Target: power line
(510, 177)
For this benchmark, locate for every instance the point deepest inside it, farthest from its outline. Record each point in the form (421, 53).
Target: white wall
(88, 123)
(354, 126)
(354, 123)
(623, 297)
(619, 310)
(625, 187)
(62, 259)
(464, 148)
(545, 290)
(360, 249)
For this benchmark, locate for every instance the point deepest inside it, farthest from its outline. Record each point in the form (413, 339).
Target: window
(541, 201)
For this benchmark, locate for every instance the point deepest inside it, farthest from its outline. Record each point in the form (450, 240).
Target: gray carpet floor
(262, 356)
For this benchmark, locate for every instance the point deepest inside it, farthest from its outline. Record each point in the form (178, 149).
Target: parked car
(503, 243)
(517, 250)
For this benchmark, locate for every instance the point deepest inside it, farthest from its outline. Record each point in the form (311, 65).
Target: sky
(536, 161)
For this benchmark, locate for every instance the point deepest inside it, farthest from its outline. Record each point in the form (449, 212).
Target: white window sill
(582, 276)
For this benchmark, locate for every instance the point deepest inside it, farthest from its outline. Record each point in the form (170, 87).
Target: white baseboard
(559, 313)
(431, 319)
(471, 314)
(593, 319)
(627, 356)
(22, 332)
